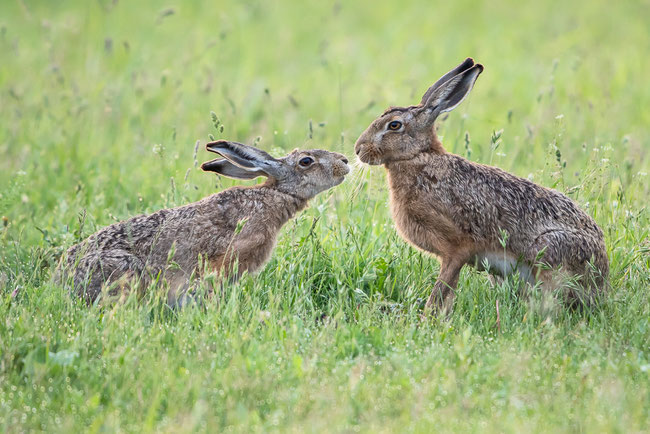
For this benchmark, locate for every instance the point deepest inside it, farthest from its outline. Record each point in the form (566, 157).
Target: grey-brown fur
(141, 246)
(459, 210)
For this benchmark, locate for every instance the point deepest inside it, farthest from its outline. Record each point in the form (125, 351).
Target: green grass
(101, 104)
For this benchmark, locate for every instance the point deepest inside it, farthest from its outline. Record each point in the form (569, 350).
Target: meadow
(105, 107)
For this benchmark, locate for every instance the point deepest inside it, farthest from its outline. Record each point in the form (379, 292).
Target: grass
(101, 106)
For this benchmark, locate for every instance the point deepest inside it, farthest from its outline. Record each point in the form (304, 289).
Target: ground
(102, 104)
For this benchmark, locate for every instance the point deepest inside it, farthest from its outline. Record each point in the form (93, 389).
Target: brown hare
(462, 211)
(238, 224)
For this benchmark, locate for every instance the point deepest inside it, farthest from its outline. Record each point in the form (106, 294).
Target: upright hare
(459, 210)
(240, 223)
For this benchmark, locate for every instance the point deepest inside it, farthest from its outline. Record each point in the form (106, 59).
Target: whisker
(359, 171)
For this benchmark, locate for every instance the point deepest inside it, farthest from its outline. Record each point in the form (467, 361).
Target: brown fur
(141, 246)
(459, 210)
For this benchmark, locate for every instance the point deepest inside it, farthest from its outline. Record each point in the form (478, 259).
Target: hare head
(401, 133)
(303, 174)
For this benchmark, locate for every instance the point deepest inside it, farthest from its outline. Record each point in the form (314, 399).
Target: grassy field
(101, 105)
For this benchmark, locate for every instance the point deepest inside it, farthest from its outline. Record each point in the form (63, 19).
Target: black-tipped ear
(224, 167)
(452, 92)
(240, 154)
(465, 65)
(247, 157)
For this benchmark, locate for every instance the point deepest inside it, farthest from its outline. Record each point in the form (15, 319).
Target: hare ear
(452, 92)
(224, 167)
(247, 158)
(466, 64)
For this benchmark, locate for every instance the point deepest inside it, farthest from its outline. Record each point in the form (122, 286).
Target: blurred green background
(101, 107)
(89, 88)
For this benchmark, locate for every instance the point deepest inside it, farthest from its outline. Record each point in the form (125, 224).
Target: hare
(238, 224)
(462, 211)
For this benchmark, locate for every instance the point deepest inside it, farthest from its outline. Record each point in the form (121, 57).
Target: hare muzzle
(341, 168)
(368, 153)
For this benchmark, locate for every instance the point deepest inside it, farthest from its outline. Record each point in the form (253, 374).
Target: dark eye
(306, 161)
(394, 125)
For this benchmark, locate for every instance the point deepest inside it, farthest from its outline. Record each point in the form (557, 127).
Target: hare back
(147, 237)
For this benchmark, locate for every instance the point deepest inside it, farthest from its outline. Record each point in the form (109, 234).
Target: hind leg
(95, 272)
(563, 260)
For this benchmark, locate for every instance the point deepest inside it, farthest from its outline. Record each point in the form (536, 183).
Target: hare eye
(306, 161)
(394, 125)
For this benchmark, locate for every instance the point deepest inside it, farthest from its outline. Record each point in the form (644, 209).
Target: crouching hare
(459, 210)
(210, 229)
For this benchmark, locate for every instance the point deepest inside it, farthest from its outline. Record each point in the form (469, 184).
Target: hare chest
(503, 264)
(249, 250)
(425, 228)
